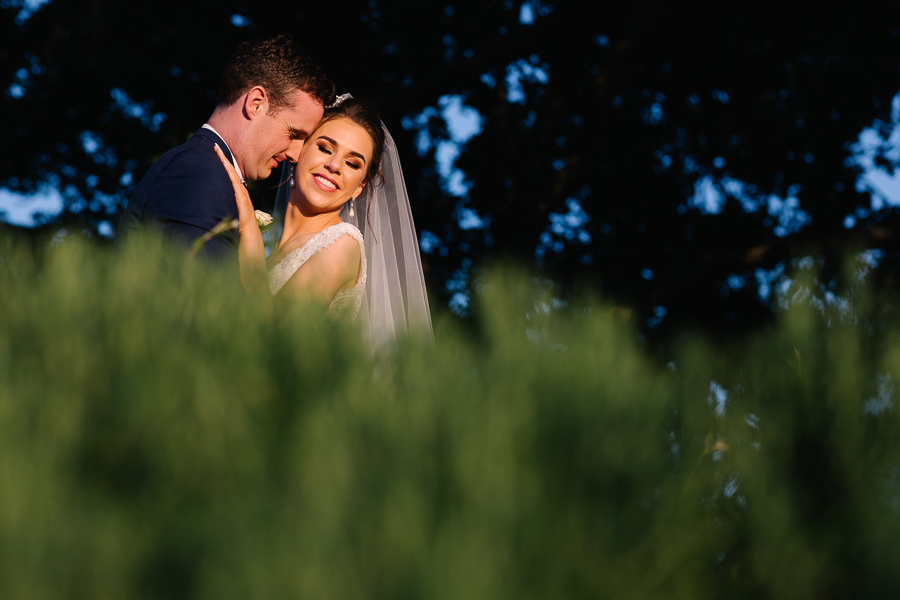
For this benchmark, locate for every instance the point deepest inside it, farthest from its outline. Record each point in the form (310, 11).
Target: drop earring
(352, 212)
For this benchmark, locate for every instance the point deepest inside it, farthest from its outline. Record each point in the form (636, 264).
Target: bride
(348, 238)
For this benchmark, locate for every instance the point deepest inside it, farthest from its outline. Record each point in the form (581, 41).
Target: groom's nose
(293, 150)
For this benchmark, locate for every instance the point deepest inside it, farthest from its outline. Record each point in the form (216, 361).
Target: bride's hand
(251, 251)
(246, 214)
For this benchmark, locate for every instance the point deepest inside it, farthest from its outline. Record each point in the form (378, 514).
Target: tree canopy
(682, 160)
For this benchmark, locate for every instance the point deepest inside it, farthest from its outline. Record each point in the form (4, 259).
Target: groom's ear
(256, 102)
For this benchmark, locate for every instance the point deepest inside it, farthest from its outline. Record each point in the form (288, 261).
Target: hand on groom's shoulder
(186, 194)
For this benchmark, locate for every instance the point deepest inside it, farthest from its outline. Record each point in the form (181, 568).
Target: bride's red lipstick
(336, 187)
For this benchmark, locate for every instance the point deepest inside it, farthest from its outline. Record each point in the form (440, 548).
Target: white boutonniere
(264, 220)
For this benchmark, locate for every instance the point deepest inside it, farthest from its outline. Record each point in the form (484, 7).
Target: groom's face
(279, 135)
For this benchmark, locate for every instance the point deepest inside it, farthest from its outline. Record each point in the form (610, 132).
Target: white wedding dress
(346, 303)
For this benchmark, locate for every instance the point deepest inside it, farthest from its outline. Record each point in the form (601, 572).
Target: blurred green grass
(164, 436)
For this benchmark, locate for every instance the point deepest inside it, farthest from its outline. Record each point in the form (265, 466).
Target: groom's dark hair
(278, 64)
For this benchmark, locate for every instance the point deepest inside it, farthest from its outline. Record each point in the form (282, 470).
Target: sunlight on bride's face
(332, 165)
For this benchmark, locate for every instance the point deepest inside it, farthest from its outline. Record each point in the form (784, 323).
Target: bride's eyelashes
(323, 148)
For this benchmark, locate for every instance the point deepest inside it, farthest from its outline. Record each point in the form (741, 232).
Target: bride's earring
(352, 212)
(292, 181)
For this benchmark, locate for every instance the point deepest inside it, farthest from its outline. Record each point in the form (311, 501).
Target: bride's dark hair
(363, 113)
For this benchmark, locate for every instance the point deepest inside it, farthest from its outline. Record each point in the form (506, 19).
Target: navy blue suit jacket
(186, 193)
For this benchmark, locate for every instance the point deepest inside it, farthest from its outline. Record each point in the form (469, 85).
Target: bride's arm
(251, 250)
(326, 272)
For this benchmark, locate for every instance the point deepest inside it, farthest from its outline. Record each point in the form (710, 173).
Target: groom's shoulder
(193, 159)
(186, 179)
(196, 150)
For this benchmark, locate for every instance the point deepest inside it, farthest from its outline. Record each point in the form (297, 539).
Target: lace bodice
(346, 303)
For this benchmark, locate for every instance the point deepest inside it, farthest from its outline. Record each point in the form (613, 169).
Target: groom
(271, 97)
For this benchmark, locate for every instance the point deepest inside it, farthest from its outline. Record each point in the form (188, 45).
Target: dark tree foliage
(600, 120)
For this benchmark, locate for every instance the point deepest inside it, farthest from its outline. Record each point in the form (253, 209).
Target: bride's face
(332, 165)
